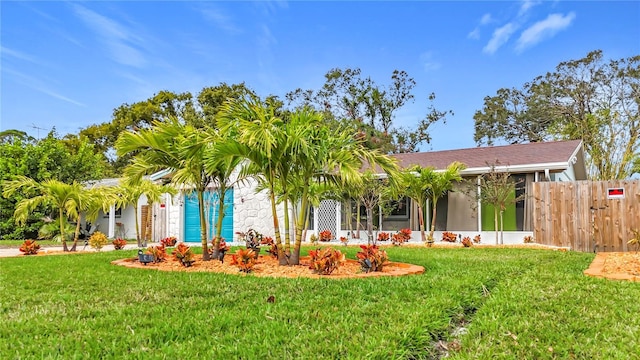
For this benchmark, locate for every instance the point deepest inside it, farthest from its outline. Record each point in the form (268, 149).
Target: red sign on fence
(615, 193)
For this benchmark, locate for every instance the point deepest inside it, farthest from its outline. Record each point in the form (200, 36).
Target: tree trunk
(301, 225)
(287, 226)
(63, 238)
(135, 213)
(369, 225)
(221, 213)
(203, 227)
(501, 228)
(495, 222)
(433, 219)
(422, 232)
(358, 219)
(76, 234)
(282, 258)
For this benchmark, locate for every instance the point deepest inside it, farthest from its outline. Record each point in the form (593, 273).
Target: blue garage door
(192, 216)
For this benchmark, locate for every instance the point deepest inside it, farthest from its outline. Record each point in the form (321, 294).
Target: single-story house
(457, 212)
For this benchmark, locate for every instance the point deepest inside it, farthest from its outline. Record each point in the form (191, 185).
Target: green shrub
(98, 240)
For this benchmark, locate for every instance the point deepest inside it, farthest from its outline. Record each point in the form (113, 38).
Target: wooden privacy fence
(586, 215)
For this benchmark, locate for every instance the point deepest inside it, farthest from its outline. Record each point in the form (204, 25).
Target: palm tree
(130, 191)
(220, 169)
(65, 197)
(416, 182)
(440, 186)
(173, 146)
(255, 135)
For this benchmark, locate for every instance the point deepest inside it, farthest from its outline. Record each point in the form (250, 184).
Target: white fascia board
(160, 174)
(527, 168)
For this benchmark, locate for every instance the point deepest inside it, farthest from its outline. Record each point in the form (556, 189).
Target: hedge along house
(459, 212)
(456, 212)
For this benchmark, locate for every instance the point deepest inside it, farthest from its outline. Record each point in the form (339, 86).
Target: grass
(515, 303)
(16, 243)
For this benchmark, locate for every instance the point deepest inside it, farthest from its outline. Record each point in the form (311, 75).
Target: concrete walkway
(80, 249)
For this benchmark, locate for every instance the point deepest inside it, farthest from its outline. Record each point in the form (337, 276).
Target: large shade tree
(589, 99)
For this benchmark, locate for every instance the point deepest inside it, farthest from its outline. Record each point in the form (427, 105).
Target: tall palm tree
(221, 170)
(66, 198)
(177, 147)
(256, 135)
(440, 186)
(417, 185)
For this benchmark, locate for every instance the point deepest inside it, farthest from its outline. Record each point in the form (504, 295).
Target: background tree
(47, 158)
(588, 99)
(370, 108)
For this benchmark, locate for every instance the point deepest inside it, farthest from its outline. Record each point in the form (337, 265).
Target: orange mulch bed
(616, 265)
(267, 266)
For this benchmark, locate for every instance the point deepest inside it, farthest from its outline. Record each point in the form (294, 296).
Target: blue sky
(69, 64)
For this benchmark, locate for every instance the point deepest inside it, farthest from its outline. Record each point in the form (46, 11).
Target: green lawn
(515, 303)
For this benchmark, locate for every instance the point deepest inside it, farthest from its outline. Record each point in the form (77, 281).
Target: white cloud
(475, 34)
(40, 86)
(486, 19)
(120, 41)
(500, 36)
(428, 63)
(544, 29)
(527, 5)
(18, 55)
(219, 19)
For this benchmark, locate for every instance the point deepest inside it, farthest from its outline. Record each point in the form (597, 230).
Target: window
(118, 213)
(399, 210)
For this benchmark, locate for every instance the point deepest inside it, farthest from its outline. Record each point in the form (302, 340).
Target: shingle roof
(513, 156)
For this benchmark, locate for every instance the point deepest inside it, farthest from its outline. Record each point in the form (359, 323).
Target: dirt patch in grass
(267, 266)
(616, 266)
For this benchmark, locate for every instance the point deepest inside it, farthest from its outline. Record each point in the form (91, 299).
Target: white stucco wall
(252, 210)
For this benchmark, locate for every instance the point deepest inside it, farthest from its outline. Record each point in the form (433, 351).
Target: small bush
(169, 241)
(159, 253)
(245, 259)
(476, 239)
(119, 243)
(371, 258)
(326, 235)
(448, 236)
(400, 237)
(466, 241)
(384, 236)
(313, 239)
(636, 239)
(344, 240)
(273, 249)
(325, 261)
(98, 240)
(528, 239)
(183, 254)
(29, 247)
